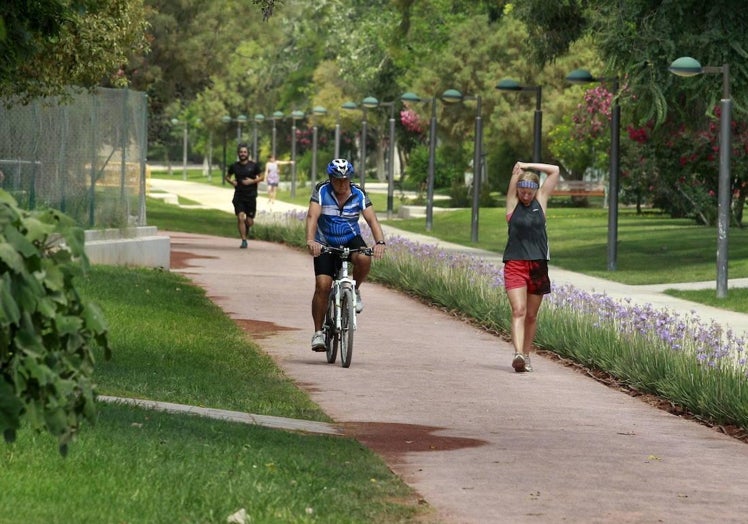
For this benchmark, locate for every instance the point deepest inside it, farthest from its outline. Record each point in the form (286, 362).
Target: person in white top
(272, 177)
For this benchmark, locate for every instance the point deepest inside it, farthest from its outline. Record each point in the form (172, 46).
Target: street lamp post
(687, 66)
(582, 76)
(451, 96)
(317, 111)
(337, 134)
(370, 103)
(412, 97)
(259, 118)
(277, 115)
(295, 115)
(241, 119)
(185, 142)
(362, 168)
(508, 84)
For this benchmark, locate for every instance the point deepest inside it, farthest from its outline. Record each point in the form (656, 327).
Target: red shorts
(532, 274)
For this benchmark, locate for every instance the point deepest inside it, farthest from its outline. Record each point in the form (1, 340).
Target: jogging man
(246, 175)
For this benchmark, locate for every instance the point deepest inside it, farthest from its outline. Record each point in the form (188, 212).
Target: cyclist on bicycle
(332, 219)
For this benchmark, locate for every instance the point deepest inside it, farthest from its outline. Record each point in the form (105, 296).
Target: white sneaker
(318, 341)
(359, 303)
(518, 363)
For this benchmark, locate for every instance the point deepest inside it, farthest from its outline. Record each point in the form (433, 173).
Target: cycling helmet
(340, 168)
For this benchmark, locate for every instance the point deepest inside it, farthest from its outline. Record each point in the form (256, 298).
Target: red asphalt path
(441, 403)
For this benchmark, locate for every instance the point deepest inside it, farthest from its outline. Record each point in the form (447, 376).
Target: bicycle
(340, 319)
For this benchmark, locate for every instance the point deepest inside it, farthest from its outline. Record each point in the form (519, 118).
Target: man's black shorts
(329, 263)
(246, 205)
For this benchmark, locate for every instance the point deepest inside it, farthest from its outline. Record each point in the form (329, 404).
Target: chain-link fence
(85, 157)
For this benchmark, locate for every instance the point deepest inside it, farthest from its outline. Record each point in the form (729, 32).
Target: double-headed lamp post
(687, 66)
(412, 97)
(362, 167)
(508, 84)
(259, 118)
(278, 115)
(295, 115)
(316, 111)
(582, 76)
(185, 142)
(451, 96)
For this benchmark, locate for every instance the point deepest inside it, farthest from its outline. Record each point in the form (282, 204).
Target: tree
(639, 40)
(49, 45)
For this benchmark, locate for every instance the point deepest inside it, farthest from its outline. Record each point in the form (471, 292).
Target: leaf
(9, 312)
(10, 411)
(11, 258)
(94, 318)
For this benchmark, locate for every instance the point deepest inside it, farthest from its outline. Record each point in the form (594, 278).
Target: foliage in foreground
(47, 331)
(698, 366)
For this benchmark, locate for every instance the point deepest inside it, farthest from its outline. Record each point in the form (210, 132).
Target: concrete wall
(137, 246)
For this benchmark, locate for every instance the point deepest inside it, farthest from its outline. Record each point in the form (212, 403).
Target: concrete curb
(289, 424)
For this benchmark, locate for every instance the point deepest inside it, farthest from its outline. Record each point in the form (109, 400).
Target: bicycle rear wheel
(347, 319)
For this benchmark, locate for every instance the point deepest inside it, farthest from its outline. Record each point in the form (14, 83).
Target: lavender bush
(699, 366)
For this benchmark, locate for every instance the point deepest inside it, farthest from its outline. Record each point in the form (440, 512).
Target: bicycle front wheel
(331, 336)
(347, 327)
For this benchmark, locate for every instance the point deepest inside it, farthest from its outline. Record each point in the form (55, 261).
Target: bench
(579, 188)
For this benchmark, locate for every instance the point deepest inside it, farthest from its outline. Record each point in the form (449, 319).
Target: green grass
(652, 248)
(736, 300)
(171, 343)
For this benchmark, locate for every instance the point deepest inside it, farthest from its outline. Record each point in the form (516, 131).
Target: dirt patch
(392, 440)
(180, 259)
(260, 329)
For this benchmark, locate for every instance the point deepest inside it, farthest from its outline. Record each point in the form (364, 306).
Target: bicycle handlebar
(343, 251)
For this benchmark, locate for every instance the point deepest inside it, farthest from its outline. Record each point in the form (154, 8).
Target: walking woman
(527, 253)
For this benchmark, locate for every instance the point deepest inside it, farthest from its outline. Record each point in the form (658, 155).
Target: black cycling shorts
(329, 263)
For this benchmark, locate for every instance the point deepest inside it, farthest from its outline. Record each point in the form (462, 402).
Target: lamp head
(277, 115)
(296, 115)
(241, 119)
(370, 102)
(508, 84)
(319, 110)
(225, 119)
(452, 96)
(259, 118)
(686, 66)
(580, 76)
(349, 105)
(410, 97)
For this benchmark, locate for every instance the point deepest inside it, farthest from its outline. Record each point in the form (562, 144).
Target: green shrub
(47, 332)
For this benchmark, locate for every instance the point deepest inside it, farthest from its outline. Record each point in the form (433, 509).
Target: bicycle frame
(340, 318)
(342, 281)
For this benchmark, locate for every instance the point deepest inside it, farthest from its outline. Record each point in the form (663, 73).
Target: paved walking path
(439, 400)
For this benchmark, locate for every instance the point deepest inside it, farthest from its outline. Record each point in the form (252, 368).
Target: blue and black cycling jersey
(337, 224)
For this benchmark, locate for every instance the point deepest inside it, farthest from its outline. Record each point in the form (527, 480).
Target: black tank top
(528, 239)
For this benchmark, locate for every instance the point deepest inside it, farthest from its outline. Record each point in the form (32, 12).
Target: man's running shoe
(244, 245)
(359, 303)
(518, 363)
(528, 366)
(318, 341)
